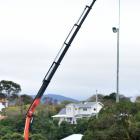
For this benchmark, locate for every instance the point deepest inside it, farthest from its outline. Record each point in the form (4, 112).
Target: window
(69, 109)
(84, 109)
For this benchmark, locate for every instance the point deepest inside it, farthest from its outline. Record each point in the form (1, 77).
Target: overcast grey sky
(32, 32)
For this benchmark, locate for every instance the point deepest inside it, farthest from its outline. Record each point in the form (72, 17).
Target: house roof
(74, 137)
(62, 111)
(85, 104)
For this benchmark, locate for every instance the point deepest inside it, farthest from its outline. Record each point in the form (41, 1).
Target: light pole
(117, 30)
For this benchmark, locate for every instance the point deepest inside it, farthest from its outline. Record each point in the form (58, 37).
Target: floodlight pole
(118, 62)
(117, 30)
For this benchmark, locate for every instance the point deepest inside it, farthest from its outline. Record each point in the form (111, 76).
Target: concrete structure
(74, 111)
(74, 137)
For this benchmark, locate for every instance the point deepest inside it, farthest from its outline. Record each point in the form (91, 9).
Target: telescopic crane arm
(53, 68)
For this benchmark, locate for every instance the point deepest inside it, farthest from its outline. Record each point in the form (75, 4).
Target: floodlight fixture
(115, 30)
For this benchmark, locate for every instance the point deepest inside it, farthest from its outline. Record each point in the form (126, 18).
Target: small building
(74, 137)
(74, 111)
(3, 104)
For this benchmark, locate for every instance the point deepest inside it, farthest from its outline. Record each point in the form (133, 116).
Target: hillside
(54, 98)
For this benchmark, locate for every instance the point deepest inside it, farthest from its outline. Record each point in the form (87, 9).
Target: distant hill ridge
(55, 98)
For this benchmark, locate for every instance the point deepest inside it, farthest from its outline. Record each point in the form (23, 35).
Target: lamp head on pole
(115, 30)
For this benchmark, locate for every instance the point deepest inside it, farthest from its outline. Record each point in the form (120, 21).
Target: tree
(93, 98)
(124, 98)
(2, 96)
(16, 136)
(14, 96)
(81, 126)
(4, 130)
(138, 99)
(6, 137)
(26, 99)
(37, 137)
(112, 96)
(65, 130)
(9, 87)
(116, 122)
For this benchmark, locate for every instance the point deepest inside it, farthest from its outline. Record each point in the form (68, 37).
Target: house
(74, 111)
(1, 107)
(74, 137)
(3, 104)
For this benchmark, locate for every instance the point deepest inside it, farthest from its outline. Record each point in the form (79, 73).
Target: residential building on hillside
(74, 111)
(3, 104)
(1, 107)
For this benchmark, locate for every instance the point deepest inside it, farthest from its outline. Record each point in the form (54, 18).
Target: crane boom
(54, 66)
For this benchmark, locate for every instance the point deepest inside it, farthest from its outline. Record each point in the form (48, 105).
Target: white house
(1, 106)
(74, 111)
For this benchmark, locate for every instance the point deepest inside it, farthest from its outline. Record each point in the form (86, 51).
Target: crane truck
(66, 45)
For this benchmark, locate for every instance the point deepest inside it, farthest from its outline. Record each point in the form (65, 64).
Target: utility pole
(117, 30)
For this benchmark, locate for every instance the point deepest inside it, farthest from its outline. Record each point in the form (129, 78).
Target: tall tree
(9, 88)
(93, 98)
